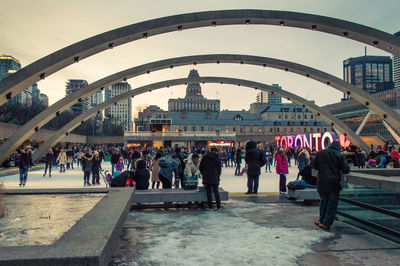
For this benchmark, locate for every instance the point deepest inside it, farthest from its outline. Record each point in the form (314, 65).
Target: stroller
(106, 177)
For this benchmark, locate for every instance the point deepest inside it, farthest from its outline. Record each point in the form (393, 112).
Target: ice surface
(219, 238)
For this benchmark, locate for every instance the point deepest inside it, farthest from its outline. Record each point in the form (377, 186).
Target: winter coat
(167, 171)
(23, 161)
(120, 180)
(303, 159)
(114, 158)
(210, 168)
(141, 176)
(86, 163)
(119, 166)
(239, 157)
(95, 164)
(154, 171)
(49, 158)
(281, 164)
(252, 158)
(62, 158)
(331, 164)
(191, 168)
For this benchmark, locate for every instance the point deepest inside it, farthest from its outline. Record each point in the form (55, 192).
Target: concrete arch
(47, 65)
(38, 121)
(322, 113)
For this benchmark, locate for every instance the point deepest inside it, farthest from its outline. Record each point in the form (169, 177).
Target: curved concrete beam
(47, 65)
(42, 118)
(321, 113)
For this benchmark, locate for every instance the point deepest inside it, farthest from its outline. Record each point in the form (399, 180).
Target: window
(271, 129)
(317, 129)
(201, 128)
(298, 117)
(251, 129)
(286, 117)
(312, 116)
(184, 128)
(234, 129)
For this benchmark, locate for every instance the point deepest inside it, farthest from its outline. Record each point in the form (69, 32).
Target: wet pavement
(247, 231)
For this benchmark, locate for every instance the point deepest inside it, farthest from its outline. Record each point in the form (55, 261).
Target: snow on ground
(219, 238)
(73, 178)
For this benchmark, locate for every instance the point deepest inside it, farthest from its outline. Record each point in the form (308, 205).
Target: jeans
(306, 185)
(62, 168)
(86, 176)
(282, 182)
(268, 166)
(216, 194)
(328, 207)
(23, 176)
(45, 170)
(95, 177)
(237, 171)
(154, 182)
(252, 183)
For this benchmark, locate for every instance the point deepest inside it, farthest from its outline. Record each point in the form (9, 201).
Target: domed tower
(193, 90)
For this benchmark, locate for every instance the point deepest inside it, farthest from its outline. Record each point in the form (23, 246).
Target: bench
(174, 196)
(303, 195)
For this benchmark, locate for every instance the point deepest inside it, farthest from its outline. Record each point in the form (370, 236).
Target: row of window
(259, 130)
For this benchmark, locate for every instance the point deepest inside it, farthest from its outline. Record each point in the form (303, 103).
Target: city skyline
(315, 49)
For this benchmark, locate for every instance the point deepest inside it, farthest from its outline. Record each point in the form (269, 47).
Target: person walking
(114, 160)
(331, 165)
(210, 168)
(62, 160)
(96, 168)
(49, 160)
(282, 169)
(238, 161)
(252, 159)
(23, 165)
(155, 168)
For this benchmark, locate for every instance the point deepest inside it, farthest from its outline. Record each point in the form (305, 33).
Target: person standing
(238, 160)
(303, 159)
(96, 168)
(155, 168)
(281, 169)
(210, 168)
(252, 159)
(62, 160)
(23, 165)
(331, 164)
(49, 160)
(114, 160)
(87, 167)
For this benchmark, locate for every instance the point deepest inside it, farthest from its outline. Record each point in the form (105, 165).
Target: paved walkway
(73, 178)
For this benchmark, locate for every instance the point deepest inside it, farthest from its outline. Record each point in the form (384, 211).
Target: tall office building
(262, 97)
(274, 99)
(396, 68)
(96, 98)
(73, 85)
(44, 100)
(369, 73)
(122, 111)
(8, 66)
(32, 95)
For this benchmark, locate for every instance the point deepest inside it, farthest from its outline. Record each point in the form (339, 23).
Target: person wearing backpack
(210, 168)
(167, 166)
(179, 172)
(253, 171)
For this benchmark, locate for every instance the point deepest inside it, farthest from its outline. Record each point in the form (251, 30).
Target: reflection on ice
(42, 219)
(226, 237)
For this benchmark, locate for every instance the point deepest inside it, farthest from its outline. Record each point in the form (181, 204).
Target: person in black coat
(96, 168)
(124, 179)
(114, 160)
(210, 168)
(252, 159)
(331, 164)
(49, 160)
(179, 172)
(238, 161)
(23, 165)
(142, 175)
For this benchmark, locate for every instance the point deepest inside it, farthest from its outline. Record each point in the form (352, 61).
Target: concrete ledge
(174, 195)
(88, 242)
(389, 183)
(307, 194)
(39, 191)
(378, 171)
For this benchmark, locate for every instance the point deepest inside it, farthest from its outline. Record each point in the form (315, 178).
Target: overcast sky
(31, 29)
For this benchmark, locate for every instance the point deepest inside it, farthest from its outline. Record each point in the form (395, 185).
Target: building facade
(369, 73)
(8, 66)
(194, 101)
(44, 100)
(262, 97)
(274, 99)
(121, 111)
(396, 68)
(96, 98)
(73, 85)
